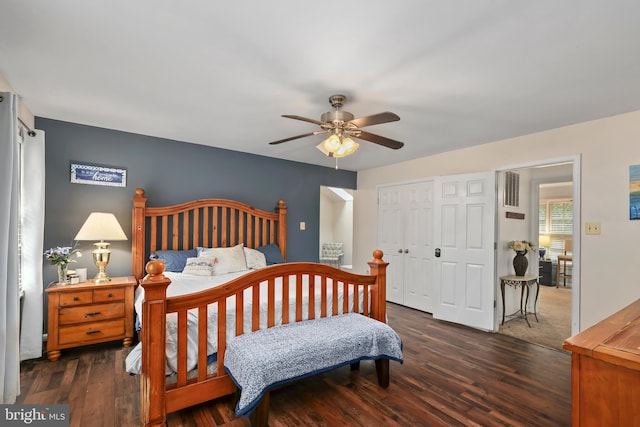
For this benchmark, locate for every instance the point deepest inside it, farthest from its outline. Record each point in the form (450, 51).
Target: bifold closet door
(405, 234)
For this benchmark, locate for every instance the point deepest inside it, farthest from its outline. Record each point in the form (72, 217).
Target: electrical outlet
(592, 228)
(303, 226)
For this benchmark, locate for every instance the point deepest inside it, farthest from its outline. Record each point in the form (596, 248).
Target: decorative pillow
(229, 260)
(199, 266)
(272, 254)
(174, 260)
(255, 259)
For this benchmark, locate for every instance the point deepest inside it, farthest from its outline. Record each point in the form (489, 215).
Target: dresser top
(89, 285)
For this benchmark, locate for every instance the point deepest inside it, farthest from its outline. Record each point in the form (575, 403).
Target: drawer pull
(93, 313)
(110, 295)
(93, 332)
(76, 299)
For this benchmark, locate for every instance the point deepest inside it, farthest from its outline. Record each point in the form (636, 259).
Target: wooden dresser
(87, 313)
(605, 371)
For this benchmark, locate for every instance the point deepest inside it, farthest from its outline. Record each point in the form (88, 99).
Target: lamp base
(542, 252)
(101, 256)
(101, 279)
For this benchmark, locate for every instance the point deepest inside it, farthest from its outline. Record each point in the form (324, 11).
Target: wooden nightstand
(87, 313)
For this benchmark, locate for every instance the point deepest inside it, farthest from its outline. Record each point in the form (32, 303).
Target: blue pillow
(271, 253)
(174, 260)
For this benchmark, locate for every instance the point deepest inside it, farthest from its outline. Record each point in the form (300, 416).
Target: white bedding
(182, 284)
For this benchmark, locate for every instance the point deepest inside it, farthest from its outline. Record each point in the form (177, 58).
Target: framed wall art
(98, 175)
(634, 192)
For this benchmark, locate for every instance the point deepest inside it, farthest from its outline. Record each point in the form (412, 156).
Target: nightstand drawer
(76, 298)
(101, 331)
(108, 295)
(91, 313)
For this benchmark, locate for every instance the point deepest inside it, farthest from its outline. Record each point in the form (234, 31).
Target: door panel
(418, 249)
(390, 235)
(464, 208)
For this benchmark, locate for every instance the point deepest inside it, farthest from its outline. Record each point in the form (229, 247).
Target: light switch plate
(592, 228)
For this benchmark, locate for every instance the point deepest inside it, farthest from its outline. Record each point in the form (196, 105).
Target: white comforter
(182, 284)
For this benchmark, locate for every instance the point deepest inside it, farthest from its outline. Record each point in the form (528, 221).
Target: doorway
(551, 219)
(336, 221)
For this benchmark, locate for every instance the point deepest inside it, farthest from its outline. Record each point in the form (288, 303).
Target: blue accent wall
(171, 172)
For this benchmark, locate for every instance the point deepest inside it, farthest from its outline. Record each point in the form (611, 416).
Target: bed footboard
(281, 287)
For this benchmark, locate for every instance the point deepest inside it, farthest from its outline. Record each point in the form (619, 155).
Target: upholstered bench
(262, 360)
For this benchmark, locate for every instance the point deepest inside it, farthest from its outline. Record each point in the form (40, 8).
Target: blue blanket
(262, 360)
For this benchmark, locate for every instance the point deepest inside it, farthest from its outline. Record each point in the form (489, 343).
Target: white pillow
(200, 266)
(255, 259)
(229, 260)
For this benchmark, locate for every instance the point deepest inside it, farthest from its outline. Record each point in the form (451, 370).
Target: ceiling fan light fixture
(332, 144)
(340, 124)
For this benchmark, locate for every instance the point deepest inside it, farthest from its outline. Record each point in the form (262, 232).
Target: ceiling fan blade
(304, 119)
(381, 140)
(280, 141)
(375, 119)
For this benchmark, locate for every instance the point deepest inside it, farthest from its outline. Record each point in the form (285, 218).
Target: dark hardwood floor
(451, 376)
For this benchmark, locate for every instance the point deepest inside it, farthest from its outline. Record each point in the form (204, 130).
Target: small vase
(520, 263)
(62, 274)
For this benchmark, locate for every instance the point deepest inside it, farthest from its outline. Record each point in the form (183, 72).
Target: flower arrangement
(61, 256)
(521, 246)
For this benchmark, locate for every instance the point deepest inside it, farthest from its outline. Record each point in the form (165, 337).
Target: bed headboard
(204, 222)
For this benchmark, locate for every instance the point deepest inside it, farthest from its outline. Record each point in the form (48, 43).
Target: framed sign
(98, 175)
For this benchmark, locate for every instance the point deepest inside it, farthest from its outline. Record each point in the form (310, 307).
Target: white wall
(609, 273)
(326, 218)
(562, 191)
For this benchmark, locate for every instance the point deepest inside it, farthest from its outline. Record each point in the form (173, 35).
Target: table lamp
(544, 241)
(101, 226)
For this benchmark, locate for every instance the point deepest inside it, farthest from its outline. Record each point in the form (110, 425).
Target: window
(556, 220)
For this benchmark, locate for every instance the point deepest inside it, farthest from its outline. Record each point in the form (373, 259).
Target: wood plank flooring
(451, 376)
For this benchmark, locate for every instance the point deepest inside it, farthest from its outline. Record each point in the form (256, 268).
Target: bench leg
(260, 416)
(355, 366)
(382, 369)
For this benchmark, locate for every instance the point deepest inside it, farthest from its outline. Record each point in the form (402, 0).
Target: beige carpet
(554, 315)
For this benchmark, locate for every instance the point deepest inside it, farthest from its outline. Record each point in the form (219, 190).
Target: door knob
(406, 251)
(399, 251)
(437, 252)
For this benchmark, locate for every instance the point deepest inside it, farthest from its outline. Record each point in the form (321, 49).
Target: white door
(390, 239)
(405, 235)
(418, 246)
(464, 217)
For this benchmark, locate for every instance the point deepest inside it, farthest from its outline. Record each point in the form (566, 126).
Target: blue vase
(542, 252)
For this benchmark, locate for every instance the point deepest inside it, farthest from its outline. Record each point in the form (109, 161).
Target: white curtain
(9, 222)
(32, 239)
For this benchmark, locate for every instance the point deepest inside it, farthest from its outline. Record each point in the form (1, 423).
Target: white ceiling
(220, 73)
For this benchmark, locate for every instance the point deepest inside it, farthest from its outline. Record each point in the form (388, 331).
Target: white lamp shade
(544, 241)
(332, 144)
(101, 226)
(349, 146)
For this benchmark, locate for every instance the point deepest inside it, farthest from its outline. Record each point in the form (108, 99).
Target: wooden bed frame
(222, 223)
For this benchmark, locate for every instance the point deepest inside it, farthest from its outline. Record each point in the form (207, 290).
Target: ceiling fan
(341, 125)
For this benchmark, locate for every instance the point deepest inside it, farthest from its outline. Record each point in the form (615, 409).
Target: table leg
(526, 300)
(502, 293)
(535, 303)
